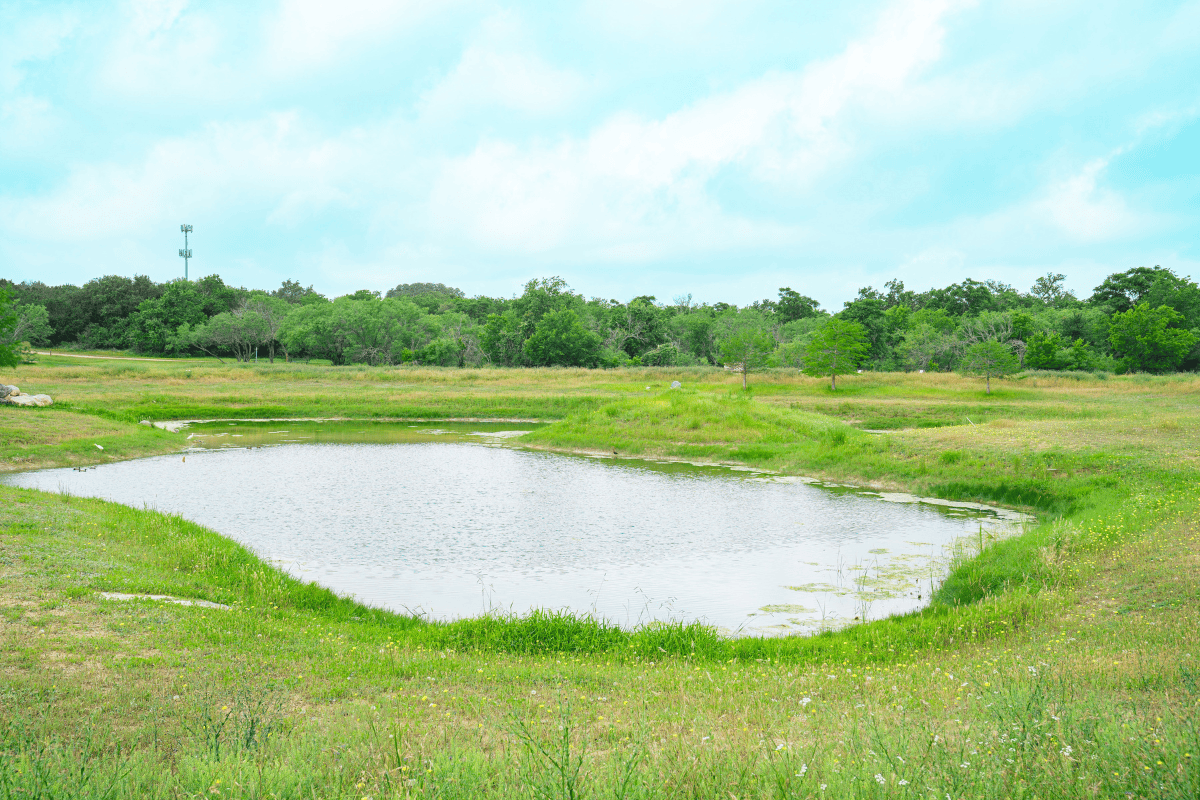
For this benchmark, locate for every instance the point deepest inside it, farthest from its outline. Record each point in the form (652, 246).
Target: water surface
(450, 520)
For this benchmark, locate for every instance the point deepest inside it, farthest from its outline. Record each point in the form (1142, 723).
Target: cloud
(499, 69)
(30, 39)
(305, 34)
(1086, 211)
(641, 185)
(272, 168)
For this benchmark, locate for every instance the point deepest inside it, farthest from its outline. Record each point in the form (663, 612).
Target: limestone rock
(7, 390)
(28, 400)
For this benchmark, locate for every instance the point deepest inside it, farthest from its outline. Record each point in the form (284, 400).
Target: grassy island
(1060, 663)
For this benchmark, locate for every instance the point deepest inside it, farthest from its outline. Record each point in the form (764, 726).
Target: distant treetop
(417, 289)
(293, 292)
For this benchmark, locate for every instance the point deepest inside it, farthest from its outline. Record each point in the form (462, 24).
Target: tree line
(1146, 319)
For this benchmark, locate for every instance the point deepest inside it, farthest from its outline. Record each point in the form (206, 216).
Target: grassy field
(1059, 663)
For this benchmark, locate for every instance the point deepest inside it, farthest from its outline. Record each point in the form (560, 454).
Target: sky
(632, 147)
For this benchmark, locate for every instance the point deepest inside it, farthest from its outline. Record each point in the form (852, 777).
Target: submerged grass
(1060, 662)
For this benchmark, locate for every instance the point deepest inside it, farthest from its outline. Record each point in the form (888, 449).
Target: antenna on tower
(185, 253)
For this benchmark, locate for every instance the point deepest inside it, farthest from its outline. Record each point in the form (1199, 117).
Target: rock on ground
(11, 395)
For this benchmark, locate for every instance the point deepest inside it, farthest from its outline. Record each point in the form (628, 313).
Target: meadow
(1058, 663)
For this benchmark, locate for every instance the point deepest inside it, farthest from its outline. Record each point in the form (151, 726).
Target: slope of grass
(1060, 663)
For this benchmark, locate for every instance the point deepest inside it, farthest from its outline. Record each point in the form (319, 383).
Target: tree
(1049, 289)
(32, 325)
(8, 323)
(695, 333)
(837, 348)
(1042, 351)
(292, 292)
(1145, 339)
(216, 296)
(561, 340)
(1122, 291)
(273, 311)
(925, 347)
(793, 306)
(868, 311)
(987, 359)
(158, 318)
(418, 289)
(744, 340)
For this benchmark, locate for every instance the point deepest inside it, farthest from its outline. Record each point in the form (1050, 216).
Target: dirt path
(106, 358)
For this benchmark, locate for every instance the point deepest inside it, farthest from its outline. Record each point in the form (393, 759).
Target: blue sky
(664, 147)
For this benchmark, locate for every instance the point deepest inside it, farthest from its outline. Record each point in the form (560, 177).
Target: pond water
(453, 520)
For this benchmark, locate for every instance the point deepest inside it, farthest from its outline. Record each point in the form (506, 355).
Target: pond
(454, 520)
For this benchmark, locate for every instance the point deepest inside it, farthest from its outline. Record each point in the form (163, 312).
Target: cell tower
(185, 253)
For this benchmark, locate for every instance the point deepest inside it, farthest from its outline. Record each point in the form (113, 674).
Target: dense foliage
(1146, 319)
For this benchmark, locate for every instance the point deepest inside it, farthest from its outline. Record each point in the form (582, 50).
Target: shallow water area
(456, 519)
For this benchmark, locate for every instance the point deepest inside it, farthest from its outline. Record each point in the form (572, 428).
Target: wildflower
(803, 769)
(805, 701)
(879, 779)
(903, 782)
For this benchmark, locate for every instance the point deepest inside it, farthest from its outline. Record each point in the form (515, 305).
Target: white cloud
(1085, 210)
(633, 182)
(28, 39)
(499, 68)
(308, 33)
(150, 17)
(272, 169)
(486, 78)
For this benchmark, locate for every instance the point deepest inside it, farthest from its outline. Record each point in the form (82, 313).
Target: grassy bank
(1059, 663)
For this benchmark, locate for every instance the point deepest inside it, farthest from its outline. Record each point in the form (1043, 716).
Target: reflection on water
(448, 521)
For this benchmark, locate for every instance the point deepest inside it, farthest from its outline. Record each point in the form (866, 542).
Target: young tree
(837, 348)
(988, 359)
(744, 340)
(1145, 341)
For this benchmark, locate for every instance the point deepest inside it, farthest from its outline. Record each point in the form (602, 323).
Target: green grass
(1058, 663)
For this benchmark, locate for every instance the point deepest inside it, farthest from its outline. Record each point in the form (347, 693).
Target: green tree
(1078, 357)
(33, 326)
(696, 333)
(1049, 289)
(838, 347)
(561, 340)
(792, 305)
(868, 310)
(925, 347)
(989, 358)
(1041, 351)
(292, 292)
(744, 340)
(1147, 339)
(503, 339)
(158, 318)
(9, 356)
(418, 289)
